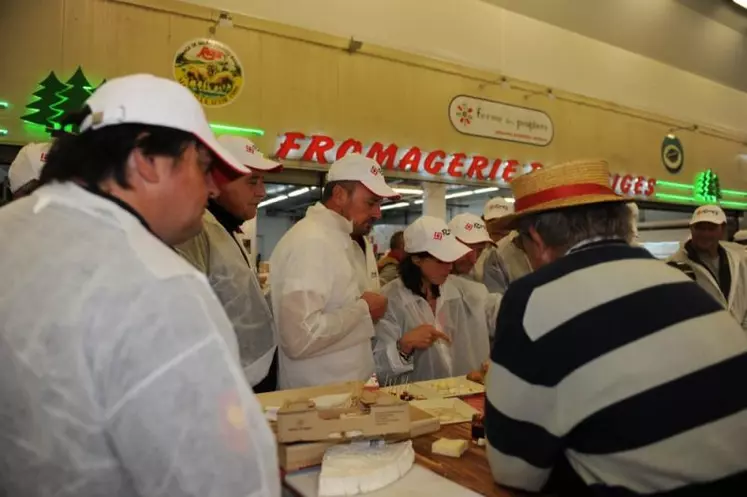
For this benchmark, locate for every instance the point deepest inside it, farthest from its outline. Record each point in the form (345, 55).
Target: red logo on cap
(375, 170)
(468, 227)
(438, 235)
(251, 149)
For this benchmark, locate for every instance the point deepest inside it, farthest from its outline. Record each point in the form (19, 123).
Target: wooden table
(470, 471)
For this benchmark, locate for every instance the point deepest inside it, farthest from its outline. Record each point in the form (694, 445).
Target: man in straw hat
(506, 262)
(600, 352)
(720, 268)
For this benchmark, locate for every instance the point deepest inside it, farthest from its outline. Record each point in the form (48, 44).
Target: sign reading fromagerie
(324, 150)
(488, 119)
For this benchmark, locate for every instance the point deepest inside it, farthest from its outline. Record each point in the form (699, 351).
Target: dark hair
(397, 240)
(412, 276)
(328, 189)
(97, 155)
(563, 228)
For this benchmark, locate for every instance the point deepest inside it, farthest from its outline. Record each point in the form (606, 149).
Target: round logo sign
(211, 70)
(672, 154)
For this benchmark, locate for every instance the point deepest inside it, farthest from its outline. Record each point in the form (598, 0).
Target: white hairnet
(465, 311)
(119, 371)
(217, 254)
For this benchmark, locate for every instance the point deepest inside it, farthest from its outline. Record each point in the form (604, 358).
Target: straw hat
(567, 184)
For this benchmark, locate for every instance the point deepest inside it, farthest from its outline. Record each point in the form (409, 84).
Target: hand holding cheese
(377, 304)
(421, 337)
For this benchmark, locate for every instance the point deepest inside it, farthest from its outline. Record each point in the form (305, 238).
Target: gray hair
(564, 228)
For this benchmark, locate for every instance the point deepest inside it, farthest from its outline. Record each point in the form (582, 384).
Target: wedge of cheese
(451, 448)
(363, 467)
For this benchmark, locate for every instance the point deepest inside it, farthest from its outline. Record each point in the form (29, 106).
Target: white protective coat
(366, 269)
(465, 311)
(324, 328)
(119, 372)
(217, 254)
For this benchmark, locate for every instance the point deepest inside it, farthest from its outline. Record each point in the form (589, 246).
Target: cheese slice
(451, 448)
(363, 467)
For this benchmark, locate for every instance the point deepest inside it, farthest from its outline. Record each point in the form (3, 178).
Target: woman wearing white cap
(430, 330)
(119, 369)
(24, 172)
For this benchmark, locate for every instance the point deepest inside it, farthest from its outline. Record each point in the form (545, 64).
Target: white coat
(504, 264)
(465, 311)
(221, 257)
(366, 268)
(324, 328)
(737, 302)
(119, 370)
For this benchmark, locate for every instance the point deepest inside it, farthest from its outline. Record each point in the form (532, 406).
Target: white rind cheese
(360, 467)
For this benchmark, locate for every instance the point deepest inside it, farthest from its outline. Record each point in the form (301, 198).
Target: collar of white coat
(328, 218)
(449, 291)
(160, 259)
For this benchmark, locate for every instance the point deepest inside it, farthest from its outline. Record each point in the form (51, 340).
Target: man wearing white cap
(720, 268)
(119, 369)
(435, 326)
(324, 320)
(506, 262)
(24, 172)
(219, 254)
(740, 237)
(471, 231)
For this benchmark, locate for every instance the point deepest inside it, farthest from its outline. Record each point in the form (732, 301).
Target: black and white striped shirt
(623, 366)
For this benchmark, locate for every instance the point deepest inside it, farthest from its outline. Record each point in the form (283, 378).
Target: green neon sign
(236, 129)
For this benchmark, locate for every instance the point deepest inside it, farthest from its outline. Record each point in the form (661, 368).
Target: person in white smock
(24, 172)
(324, 320)
(432, 328)
(119, 369)
(219, 253)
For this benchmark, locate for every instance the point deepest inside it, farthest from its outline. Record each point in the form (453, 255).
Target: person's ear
(143, 166)
(537, 239)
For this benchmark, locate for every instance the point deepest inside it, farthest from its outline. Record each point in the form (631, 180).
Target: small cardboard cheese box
(366, 414)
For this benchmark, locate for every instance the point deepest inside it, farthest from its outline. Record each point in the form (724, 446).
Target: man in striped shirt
(612, 374)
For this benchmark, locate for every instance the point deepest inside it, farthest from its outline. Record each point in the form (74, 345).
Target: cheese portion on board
(363, 467)
(451, 448)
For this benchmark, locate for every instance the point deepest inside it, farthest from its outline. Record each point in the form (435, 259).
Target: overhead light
(273, 200)
(408, 191)
(741, 3)
(313, 188)
(300, 191)
(510, 200)
(459, 194)
(418, 202)
(395, 206)
(486, 190)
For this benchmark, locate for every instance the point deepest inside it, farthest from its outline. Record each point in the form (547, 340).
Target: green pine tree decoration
(75, 94)
(707, 187)
(43, 111)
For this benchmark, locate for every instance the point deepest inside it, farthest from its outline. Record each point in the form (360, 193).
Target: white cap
(740, 236)
(430, 234)
(247, 153)
(469, 228)
(356, 167)
(708, 214)
(147, 99)
(496, 208)
(27, 165)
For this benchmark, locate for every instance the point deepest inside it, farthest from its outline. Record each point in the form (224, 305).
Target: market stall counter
(442, 410)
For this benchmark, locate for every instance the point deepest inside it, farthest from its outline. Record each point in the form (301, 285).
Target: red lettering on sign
(650, 187)
(208, 53)
(625, 184)
(615, 181)
(384, 156)
(433, 166)
(494, 170)
(347, 146)
(289, 144)
(640, 182)
(476, 166)
(412, 159)
(535, 166)
(510, 170)
(456, 165)
(319, 145)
